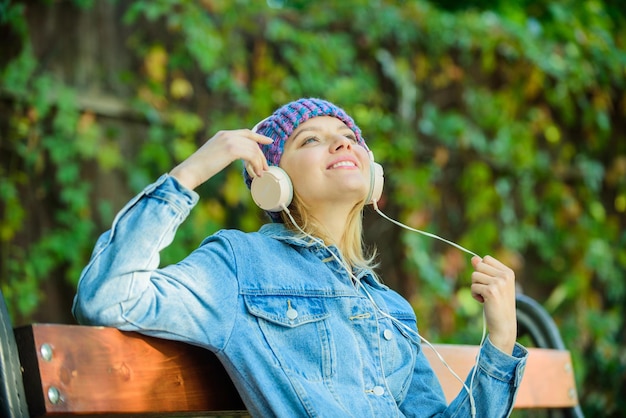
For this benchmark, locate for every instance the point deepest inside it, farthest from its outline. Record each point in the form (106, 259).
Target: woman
(294, 311)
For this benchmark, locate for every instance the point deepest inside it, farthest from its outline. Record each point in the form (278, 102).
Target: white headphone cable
(428, 234)
(484, 327)
(393, 319)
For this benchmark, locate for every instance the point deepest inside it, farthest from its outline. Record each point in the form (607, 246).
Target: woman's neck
(332, 220)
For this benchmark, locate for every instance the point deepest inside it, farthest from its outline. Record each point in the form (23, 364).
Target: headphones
(273, 191)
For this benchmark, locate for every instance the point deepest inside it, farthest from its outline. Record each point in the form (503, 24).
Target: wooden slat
(102, 370)
(548, 380)
(98, 369)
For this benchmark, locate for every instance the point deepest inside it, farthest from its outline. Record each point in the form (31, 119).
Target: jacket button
(378, 390)
(292, 313)
(387, 334)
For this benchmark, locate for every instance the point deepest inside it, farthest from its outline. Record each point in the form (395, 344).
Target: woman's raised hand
(493, 284)
(218, 152)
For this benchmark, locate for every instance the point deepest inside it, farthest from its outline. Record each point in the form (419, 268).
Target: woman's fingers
(489, 272)
(219, 152)
(253, 157)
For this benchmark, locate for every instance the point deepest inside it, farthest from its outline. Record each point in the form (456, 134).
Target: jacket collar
(279, 232)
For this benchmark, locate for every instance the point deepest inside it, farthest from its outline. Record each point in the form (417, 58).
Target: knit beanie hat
(286, 119)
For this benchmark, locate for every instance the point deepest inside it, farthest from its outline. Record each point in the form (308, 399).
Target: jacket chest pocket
(297, 332)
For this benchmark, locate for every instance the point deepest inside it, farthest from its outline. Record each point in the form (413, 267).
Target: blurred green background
(501, 125)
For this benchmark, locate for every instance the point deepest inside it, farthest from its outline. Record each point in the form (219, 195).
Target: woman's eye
(351, 138)
(309, 140)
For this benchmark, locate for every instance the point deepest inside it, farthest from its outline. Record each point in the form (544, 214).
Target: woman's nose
(341, 142)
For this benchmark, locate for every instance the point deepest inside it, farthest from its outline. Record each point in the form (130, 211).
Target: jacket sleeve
(122, 286)
(494, 388)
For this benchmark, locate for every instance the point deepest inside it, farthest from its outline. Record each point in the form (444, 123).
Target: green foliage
(500, 126)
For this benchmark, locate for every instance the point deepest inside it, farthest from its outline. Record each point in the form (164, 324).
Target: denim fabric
(297, 337)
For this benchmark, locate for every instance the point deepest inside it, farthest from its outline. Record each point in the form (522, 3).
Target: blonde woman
(294, 311)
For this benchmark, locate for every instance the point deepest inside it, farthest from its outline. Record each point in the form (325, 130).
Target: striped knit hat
(286, 119)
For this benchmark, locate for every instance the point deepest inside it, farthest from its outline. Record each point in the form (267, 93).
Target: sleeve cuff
(500, 365)
(170, 189)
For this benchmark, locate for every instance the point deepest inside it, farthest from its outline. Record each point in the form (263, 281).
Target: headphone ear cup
(273, 190)
(377, 182)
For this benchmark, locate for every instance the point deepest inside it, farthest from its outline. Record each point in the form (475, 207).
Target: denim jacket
(296, 335)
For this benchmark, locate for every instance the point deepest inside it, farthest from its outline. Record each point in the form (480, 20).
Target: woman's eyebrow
(304, 130)
(316, 128)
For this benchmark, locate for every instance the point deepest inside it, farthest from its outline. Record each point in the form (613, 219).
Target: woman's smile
(344, 163)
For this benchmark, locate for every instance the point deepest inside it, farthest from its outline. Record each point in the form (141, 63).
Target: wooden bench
(78, 370)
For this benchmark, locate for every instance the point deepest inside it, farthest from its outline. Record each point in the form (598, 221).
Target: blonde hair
(351, 246)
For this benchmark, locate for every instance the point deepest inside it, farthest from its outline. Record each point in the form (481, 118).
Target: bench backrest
(71, 369)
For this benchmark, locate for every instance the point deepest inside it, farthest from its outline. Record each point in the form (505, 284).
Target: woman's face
(325, 163)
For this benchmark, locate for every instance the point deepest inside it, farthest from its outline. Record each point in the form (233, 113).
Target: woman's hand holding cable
(493, 284)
